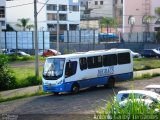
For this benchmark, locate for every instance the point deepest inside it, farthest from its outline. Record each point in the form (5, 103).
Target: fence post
(33, 41)
(43, 41)
(67, 41)
(93, 39)
(5, 40)
(137, 37)
(79, 40)
(16, 42)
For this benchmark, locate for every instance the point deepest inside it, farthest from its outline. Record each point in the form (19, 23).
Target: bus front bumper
(65, 87)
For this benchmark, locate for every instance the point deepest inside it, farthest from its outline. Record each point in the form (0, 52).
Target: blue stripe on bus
(66, 87)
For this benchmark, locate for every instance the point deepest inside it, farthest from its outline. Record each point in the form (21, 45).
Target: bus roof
(90, 53)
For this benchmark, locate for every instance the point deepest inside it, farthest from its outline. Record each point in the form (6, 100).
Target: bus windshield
(53, 68)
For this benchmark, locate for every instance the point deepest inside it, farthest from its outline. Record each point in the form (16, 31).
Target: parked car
(150, 53)
(51, 52)
(135, 54)
(154, 88)
(137, 94)
(158, 48)
(21, 53)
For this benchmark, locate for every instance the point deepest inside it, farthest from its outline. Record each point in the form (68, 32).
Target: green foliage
(15, 57)
(69, 51)
(24, 23)
(157, 11)
(146, 63)
(7, 78)
(132, 110)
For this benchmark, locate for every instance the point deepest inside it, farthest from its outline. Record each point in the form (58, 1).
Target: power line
(20, 5)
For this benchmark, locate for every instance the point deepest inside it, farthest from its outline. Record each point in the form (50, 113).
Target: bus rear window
(124, 58)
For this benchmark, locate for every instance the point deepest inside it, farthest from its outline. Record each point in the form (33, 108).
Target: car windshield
(53, 68)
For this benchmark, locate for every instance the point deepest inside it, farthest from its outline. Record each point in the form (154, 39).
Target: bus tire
(55, 93)
(111, 83)
(75, 88)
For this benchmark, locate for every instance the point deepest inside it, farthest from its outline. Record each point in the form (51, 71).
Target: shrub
(7, 78)
(132, 110)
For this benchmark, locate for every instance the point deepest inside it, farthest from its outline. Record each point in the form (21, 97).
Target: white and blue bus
(71, 72)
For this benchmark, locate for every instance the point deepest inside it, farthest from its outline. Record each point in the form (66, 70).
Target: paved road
(84, 103)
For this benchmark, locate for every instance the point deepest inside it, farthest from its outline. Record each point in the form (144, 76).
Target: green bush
(7, 78)
(131, 110)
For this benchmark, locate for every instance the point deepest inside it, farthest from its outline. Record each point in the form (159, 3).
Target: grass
(131, 110)
(25, 76)
(146, 63)
(25, 95)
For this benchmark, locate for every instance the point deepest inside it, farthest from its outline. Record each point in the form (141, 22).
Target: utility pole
(36, 40)
(58, 27)
(0, 37)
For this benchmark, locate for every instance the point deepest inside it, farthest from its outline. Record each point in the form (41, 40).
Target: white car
(135, 55)
(136, 94)
(21, 53)
(154, 88)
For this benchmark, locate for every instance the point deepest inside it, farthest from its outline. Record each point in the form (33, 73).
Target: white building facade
(2, 14)
(69, 13)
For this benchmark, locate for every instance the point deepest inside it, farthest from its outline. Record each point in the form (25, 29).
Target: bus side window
(124, 58)
(83, 63)
(110, 60)
(71, 68)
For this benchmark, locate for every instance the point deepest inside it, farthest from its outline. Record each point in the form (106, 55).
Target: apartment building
(134, 13)
(68, 11)
(2, 14)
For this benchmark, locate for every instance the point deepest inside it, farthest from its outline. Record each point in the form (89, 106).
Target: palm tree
(147, 20)
(24, 23)
(106, 22)
(157, 11)
(29, 27)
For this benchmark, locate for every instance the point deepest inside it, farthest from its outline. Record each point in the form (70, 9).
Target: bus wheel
(55, 93)
(111, 83)
(75, 88)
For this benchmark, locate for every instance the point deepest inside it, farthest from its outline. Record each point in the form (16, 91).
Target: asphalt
(33, 89)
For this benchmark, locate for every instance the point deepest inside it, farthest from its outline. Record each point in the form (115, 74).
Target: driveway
(67, 106)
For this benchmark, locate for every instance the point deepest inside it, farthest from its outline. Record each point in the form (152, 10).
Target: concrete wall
(105, 10)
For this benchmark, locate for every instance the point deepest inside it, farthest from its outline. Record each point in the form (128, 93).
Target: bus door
(70, 71)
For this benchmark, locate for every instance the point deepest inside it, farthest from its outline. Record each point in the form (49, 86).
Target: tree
(106, 22)
(9, 28)
(24, 23)
(147, 20)
(157, 11)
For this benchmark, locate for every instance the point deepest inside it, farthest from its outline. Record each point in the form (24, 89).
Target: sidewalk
(33, 89)
(20, 91)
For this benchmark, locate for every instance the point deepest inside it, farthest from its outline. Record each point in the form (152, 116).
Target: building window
(96, 2)
(51, 7)
(63, 27)
(63, 17)
(101, 2)
(63, 7)
(74, 8)
(73, 27)
(2, 23)
(121, 1)
(2, 12)
(51, 16)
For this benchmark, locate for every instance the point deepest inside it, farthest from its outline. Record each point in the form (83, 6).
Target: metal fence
(83, 40)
